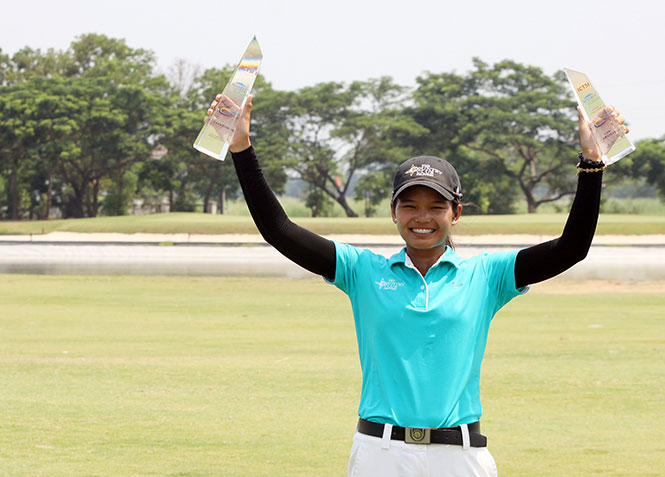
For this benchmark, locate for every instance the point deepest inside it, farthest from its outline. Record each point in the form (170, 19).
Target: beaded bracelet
(588, 162)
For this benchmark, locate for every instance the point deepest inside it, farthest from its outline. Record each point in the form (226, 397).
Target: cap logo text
(424, 170)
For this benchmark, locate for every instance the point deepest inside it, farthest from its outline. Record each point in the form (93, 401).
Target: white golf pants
(376, 457)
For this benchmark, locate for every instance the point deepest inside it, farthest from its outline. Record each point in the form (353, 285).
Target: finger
(211, 110)
(620, 119)
(580, 117)
(625, 129)
(212, 106)
(247, 110)
(228, 102)
(219, 96)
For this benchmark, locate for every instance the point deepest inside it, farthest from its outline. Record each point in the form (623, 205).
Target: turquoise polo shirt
(421, 340)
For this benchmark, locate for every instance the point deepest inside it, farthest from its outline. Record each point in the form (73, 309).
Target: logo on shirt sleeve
(389, 284)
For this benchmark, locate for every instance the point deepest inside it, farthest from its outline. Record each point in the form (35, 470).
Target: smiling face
(424, 219)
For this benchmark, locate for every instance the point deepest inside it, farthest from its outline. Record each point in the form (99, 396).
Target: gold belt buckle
(417, 435)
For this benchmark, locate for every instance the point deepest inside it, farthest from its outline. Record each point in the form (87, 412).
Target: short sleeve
(347, 257)
(500, 271)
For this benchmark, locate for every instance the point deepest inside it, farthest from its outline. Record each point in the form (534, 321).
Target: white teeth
(423, 231)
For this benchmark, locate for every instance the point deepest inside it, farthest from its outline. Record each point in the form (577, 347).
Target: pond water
(603, 262)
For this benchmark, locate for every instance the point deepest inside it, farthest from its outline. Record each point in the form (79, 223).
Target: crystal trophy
(607, 133)
(215, 136)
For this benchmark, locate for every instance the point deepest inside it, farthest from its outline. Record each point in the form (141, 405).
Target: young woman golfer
(422, 316)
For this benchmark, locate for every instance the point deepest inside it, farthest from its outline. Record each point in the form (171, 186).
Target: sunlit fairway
(174, 376)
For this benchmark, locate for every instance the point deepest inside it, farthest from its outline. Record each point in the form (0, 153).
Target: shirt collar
(449, 256)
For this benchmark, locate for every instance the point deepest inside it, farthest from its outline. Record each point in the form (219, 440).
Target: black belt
(426, 435)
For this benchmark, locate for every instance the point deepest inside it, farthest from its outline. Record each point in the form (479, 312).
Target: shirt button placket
(421, 296)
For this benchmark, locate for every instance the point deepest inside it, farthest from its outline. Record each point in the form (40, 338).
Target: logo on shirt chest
(389, 284)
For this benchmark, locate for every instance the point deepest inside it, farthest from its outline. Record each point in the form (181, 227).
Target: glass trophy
(607, 133)
(214, 138)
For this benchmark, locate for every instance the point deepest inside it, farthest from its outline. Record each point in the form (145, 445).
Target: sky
(618, 44)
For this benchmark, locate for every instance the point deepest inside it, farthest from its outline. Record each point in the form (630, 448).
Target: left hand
(589, 148)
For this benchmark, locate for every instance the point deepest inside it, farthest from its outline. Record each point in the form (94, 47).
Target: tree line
(90, 129)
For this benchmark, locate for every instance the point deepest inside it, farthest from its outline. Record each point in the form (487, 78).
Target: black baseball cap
(429, 171)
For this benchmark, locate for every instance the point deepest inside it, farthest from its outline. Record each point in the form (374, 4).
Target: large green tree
(17, 138)
(120, 101)
(76, 118)
(511, 121)
(32, 123)
(648, 161)
(4, 67)
(188, 174)
(28, 63)
(54, 125)
(341, 132)
(113, 133)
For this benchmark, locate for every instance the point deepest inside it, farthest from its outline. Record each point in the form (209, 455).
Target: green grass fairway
(198, 223)
(176, 376)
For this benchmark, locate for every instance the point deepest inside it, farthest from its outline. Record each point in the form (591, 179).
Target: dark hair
(449, 240)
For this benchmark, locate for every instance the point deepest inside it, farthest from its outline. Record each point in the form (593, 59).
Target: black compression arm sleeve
(546, 260)
(307, 249)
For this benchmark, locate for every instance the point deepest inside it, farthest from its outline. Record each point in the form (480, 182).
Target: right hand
(240, 140)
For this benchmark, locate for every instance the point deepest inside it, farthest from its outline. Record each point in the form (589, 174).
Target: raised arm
(307, 249)
(546, 260)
